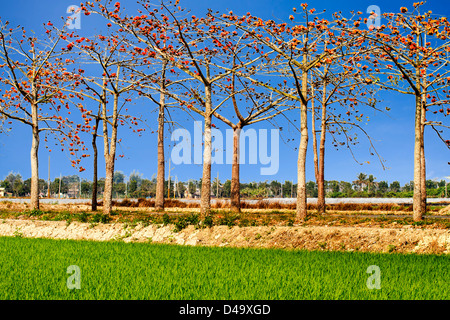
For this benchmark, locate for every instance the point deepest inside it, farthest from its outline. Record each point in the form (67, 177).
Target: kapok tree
(146, 90)
(411, 52)
(297, 48)
(151, 43)
(218, 49)
(109, 84)
(156, 90)
(32, 78)
(195, 48)
(342, 87)
(153, 30)
(257, 105)
(247, 59)
(133, 26)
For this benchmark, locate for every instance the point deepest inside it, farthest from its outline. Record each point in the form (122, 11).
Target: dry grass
(269, 205)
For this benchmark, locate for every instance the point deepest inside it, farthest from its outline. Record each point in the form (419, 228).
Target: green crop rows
(37, 269)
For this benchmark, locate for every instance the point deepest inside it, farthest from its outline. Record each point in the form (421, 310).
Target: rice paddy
(37, 269)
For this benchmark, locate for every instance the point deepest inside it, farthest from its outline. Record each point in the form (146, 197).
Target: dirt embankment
(406, 239)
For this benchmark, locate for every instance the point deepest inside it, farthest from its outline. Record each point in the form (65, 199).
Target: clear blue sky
(392, 134)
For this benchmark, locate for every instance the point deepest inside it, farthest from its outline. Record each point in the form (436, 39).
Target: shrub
(193, 219)
(244, 222)
(99, 217)
(180, 224)
(83, 217)
(35, 212)
(227, 220)
(166, 219)
(208, 221)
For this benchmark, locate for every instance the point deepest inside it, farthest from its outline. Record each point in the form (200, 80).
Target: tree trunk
(235, 180)
(314, 137)
(109, 180)
(110, 155)
(34, 201)
(321, 183)
(418, 140)
(95, 177)
(205, 201)
(159, 202)
(301, 211)
(320, 166)
(423, 176)
(423, 173)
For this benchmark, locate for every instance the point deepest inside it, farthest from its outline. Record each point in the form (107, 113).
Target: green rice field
(37, 269)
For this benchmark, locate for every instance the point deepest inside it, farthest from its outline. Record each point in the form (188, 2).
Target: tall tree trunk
(159, 203)
(235, 180)
(314, 137)
(323, 131)
(110, 155)
(319, 155)
(109, 180)
(95, 177)
(423, 173)
(316, 153)
(301, 211)
(34, 201)
(321, 184)
(205, 201)
(418, 140)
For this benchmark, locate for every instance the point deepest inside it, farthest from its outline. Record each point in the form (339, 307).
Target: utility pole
(48, 182)
(217, 194)
(168, 185)
(292, 188)
(446, 186)
(175, 187)
(59, 191)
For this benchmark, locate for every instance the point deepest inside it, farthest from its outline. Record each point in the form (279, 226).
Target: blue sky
(392, 134)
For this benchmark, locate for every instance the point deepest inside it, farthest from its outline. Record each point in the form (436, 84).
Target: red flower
(403, 10)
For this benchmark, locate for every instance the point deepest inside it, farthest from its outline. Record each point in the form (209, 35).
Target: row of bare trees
(240, 70)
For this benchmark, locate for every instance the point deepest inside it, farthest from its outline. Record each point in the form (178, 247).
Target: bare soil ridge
(364, 239)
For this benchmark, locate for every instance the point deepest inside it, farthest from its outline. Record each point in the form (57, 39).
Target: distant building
(195, 195)
(74, 190)
(2, 192)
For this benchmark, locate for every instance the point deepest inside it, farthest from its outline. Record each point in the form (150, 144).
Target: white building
(2, 192)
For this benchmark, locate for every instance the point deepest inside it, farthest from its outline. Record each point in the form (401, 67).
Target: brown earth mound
(366, 239)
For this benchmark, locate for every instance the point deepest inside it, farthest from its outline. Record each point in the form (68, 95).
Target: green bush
(83, 217)
(35, 212)
(193, 219)
(99, 217)
(166, 219)
(208, 221)
(227, 220)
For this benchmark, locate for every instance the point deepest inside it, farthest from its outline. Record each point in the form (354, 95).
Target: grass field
(37, 269)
